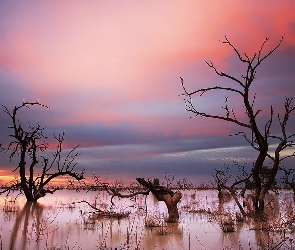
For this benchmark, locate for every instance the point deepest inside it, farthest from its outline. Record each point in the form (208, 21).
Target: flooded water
(64, 221)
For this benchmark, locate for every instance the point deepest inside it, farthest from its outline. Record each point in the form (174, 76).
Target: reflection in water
(31, 211)
(58, 223)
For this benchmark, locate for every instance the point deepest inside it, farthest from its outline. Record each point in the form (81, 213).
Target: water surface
(62, 221)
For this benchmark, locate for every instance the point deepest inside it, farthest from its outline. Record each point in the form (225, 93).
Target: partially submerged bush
(10, 205)
(227, 224)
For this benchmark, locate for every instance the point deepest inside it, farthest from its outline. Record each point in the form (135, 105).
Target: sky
(110, 73)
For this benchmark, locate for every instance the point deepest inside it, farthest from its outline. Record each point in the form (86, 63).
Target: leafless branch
(211, 65)
(26, 144)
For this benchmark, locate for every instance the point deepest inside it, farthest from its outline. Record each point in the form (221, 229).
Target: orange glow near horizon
(7, 179)
(63, 181)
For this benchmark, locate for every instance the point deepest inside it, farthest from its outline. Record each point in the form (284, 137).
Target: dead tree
(222, 178)
(27, 145)
(260, 136)
(161, 193)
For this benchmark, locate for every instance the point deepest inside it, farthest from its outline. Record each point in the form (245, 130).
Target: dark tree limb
(27, 144)
(161, 193)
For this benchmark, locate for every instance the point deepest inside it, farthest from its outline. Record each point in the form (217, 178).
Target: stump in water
(161, 193)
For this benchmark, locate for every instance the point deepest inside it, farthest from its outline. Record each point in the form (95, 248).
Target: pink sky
(110, 69)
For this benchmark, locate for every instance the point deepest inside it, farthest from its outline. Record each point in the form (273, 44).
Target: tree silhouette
(258, 136)
(26, 146)
(161, 193)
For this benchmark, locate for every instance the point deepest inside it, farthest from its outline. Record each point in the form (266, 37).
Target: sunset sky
(110, 72)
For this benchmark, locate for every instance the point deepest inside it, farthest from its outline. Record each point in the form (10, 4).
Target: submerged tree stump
(161, 193)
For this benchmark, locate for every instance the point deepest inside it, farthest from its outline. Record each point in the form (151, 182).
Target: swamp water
(62, 221)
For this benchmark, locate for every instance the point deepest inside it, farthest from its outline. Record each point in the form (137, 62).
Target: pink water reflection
(59, 222)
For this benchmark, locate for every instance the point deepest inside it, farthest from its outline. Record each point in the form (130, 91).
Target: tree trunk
(269, 182)
(260, 214)
(171, 203)
(28, 194)
(258, 205)
(234, 195)
(164, 194)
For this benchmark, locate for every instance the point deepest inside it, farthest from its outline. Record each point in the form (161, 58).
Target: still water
(64, 221)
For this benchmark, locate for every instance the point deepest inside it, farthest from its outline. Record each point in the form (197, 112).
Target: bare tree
(160, 192)
(260, 136)
(226, 181)
(26, 145)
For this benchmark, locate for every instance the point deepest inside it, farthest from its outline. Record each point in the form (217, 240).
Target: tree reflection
(28, 221)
